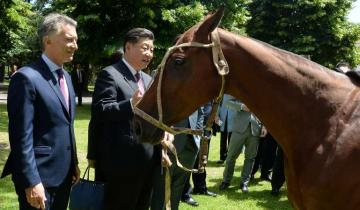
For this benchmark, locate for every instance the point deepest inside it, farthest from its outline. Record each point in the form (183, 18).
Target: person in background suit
(41, 109)
(246, 132)
(199, 179)
(278, 176)
(265, 157)
(125, 165)
(225, 122)
(187, 147)
(77, 76)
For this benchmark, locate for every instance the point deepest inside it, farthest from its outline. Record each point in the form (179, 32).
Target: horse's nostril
(137, 129)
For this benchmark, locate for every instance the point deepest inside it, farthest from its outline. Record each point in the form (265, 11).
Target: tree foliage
(102, 24)
(17, 31)
(316, 28)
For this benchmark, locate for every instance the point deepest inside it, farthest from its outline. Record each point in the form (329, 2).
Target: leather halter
(222, 68)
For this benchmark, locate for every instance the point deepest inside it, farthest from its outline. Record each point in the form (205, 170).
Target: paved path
(3, 97)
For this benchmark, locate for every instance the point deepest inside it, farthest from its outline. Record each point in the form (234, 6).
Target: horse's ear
(211, 22)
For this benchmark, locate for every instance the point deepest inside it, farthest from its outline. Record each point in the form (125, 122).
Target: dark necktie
(140, 83)
(63, 86)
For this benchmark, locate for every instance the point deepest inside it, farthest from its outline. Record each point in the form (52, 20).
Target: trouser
(265, 156)
(199, 179)
(187, 189)
(224, 141)
(278, 177)
(187, 158)
(238, 140)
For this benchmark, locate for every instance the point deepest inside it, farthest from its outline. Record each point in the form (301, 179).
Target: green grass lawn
(233, 199)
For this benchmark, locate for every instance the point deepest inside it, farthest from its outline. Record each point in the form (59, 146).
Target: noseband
(222, 68)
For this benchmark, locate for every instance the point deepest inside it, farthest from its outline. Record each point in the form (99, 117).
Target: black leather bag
(87, 194)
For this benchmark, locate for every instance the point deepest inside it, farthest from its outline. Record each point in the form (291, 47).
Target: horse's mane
(279, 53)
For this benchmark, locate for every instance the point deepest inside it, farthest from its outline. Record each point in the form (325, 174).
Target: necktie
(140, 83)
(63, 86)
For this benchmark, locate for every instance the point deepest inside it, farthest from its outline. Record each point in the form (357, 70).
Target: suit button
(68, 147)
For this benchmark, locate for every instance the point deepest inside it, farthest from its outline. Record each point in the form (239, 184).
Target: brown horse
(313, 112)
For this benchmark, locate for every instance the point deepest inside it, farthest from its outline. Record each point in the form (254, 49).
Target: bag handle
(86, 173)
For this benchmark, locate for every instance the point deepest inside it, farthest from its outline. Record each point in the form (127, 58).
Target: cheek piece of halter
(222, 68)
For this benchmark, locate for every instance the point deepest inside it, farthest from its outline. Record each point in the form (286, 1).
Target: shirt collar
(52, 66)
(132, 70)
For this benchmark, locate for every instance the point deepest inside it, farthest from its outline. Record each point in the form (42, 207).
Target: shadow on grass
(8, 198)
(4, 118)
(262, 197)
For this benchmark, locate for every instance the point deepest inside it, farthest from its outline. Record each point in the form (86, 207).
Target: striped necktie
(140, 83)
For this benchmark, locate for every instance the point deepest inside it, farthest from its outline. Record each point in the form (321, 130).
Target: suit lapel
(45, 71)
(147, 80)
(128, 77)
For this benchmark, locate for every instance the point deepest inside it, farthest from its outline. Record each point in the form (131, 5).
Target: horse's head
(188, 80)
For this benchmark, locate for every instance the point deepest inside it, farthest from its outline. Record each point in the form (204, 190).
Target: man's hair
(135, 34)
(51, 24)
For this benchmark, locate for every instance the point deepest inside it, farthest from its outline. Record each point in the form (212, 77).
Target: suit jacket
(225, 112)
(77, 84)
(41, 130)
(242, 119)
(111, 141)
(194, 121)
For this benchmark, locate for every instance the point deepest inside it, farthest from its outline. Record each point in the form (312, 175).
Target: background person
(225, 122)
(41, 109)
(246, 132)
(187, 147)
(77, 76)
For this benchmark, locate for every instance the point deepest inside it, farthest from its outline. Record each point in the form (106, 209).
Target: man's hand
(136, 97)
(35, 196)
(263, 131)
(165, 160)
(76, 176)
(168, 137)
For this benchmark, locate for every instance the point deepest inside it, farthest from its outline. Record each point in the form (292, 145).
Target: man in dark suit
(41, 109)
(199, 179)
(121, 161)
(77, 77)
(187, 147)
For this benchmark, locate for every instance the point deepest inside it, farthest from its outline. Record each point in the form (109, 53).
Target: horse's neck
(292, 96)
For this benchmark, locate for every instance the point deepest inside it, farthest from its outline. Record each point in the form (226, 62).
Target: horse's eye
(179, 61)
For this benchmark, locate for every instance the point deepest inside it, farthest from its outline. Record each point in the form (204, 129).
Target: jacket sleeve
(105, 105)
(235, 104)
(21, 99)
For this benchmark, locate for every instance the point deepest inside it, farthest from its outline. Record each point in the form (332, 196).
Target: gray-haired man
(41, 109)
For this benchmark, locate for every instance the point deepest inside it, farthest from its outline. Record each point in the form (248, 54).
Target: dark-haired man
(121, 161)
